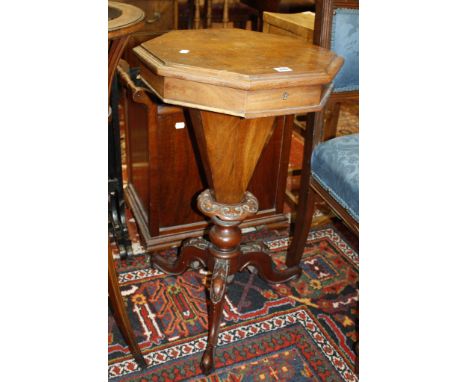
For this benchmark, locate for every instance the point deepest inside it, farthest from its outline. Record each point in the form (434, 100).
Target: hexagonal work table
(234, 82)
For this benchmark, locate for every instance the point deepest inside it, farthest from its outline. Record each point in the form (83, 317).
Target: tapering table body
(235, 82)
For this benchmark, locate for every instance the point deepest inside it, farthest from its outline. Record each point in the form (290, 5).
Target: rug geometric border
(232, 335)
(298, 315)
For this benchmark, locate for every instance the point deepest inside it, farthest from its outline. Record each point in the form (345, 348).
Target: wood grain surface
(224, 56)
(237, 72)
(299, 25)
(232, 152)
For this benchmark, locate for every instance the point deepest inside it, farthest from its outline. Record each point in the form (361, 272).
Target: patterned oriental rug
(304, 330)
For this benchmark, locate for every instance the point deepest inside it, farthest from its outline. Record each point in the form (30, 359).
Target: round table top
(123, 19)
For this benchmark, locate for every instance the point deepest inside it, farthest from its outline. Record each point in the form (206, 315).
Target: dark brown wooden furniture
(282, 6)
(236, 83)
(324, 18)
(316, 132)
(311, 192)
(123, 20)
(324, 15)
(207, 21)
(218, 14)
(119, 312)
(160, 15)
(300, 25)
(165, 171)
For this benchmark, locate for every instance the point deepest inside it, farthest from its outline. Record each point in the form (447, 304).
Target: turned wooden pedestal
(230, 155)
(234, 82)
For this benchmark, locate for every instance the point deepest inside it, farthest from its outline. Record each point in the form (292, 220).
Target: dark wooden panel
(178, 171)
(137, 151)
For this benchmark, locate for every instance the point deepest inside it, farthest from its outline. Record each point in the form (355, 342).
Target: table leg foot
(141, 361)
(207, 362)
(193, 254)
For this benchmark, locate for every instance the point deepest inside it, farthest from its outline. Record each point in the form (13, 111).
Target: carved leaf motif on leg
(219, 280)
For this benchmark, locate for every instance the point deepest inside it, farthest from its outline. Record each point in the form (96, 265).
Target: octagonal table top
(237, 63)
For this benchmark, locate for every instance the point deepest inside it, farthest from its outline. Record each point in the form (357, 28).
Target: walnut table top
(238, 72)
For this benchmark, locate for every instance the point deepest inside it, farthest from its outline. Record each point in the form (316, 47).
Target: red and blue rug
(305, 330)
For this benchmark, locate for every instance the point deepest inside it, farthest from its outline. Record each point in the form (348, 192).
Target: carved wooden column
(234, 82)
(228, 203)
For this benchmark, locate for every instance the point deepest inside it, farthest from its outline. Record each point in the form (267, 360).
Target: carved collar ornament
(230, 212)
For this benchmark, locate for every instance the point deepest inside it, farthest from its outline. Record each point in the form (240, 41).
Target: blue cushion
(335, 165)
(345, 42)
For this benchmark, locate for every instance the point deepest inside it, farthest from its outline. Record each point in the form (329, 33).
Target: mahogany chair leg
(306, 206)
(305, 213)
(193, 254)
(120, 313)
(332, 124)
